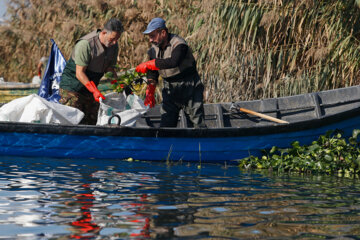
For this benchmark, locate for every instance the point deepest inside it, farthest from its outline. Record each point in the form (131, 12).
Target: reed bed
(244, 49)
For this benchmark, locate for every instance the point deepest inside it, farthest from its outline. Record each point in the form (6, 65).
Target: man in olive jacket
(172, 59)
(93, 55)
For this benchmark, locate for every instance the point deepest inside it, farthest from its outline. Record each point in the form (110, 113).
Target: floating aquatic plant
(330, 154)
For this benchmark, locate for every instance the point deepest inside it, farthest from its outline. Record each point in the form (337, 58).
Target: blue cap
(154, 24)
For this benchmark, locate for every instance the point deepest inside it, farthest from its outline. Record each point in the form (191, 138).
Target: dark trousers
(186, 95)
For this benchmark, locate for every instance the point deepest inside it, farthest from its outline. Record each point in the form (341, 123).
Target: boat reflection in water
(91, 199)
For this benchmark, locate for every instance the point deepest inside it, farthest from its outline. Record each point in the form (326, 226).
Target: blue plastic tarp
(49, 87)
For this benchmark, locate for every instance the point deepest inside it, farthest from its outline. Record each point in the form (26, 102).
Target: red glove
(150, 96)
(39, 73)
(146, 66)
(94, 90)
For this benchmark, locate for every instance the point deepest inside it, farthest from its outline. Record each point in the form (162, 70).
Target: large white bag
(35, 109)
(129, 109)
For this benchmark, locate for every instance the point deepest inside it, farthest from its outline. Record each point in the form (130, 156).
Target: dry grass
(257, 49)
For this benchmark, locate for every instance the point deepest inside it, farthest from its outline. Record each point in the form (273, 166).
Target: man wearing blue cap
(172, 59)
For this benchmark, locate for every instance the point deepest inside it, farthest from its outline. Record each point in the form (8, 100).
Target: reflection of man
(93, 55)
(172, 59)
(145, 229)
(84, 224)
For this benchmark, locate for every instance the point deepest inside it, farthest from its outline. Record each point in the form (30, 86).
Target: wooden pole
(263, 115)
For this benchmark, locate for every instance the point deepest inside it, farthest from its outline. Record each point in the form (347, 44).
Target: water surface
(113, 199)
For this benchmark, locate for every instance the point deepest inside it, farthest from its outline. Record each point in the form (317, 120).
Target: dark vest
(101, 59)
(185, 65)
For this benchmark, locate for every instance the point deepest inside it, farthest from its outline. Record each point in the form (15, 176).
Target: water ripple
(52, 198)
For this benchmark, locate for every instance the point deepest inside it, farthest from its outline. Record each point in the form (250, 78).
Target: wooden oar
(262, 115)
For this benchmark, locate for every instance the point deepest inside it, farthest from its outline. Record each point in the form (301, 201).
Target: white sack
(35, 109)
(129, 109)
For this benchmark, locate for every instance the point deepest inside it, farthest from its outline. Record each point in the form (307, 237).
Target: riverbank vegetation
(245, 50)
(330, 154)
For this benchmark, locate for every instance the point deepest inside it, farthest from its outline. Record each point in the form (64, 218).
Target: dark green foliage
(330, 154)
(128, 81)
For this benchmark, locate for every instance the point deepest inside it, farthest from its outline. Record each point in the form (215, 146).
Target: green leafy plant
(129, 81)
(330, 154)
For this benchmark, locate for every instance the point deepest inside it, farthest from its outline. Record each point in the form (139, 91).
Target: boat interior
(292, 109)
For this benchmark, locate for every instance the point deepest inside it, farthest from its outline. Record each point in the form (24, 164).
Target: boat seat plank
(317, 108)
(182, 120)
(219, 116)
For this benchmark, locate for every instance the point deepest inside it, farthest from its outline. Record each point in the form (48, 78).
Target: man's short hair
(114, 25)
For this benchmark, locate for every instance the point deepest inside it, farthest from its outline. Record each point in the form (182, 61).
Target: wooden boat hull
(35, 143)
(13, 91)
(220, 142)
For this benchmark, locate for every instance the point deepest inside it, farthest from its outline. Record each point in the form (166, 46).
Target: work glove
(146, 66)
(94, 90)
(150, 96)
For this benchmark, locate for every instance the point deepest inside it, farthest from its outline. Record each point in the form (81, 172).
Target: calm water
(88, 199)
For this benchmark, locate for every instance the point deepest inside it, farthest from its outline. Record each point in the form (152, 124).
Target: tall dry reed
(244, 49)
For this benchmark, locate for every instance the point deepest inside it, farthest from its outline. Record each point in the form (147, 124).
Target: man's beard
(107, 44)
(158, 44)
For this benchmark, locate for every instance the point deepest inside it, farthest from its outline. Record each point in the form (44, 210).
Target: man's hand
(94, 90)
(146, 66)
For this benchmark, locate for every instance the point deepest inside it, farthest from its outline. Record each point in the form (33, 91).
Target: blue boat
(231, 134)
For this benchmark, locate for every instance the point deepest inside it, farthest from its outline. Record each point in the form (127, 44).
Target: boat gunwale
(121, 131)
(15, 87)
(218, 132)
